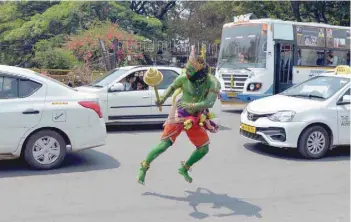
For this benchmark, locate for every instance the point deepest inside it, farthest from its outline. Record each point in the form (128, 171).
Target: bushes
(56, 58)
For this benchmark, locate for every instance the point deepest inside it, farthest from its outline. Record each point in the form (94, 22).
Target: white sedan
(125, 99)
(42, 119)
(313, 116)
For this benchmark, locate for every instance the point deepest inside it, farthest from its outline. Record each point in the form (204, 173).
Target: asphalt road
(237, 181)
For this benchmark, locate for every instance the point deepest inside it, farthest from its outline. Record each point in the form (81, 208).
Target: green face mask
(198, 76)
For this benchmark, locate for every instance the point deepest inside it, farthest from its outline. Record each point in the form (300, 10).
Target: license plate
(247, 128)
(231, 94)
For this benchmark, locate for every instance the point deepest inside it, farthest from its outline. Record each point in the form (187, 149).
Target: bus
(263, 57)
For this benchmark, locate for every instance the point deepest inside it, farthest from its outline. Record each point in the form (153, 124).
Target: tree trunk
(323, 13)
(295, 5)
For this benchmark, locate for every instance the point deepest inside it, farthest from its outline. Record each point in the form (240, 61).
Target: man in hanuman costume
(190, 113)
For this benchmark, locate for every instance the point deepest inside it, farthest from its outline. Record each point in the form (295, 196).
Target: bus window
(338, 38)
(310, 36)
(311, 57)
(335, 58)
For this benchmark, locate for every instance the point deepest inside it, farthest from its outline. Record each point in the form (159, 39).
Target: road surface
(238, 181)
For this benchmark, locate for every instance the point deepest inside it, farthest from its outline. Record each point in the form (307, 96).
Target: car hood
(273, 104)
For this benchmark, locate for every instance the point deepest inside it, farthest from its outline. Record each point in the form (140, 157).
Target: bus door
(284, 61)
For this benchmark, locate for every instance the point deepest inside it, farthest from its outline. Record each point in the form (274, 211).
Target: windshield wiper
(220, 66)
(306, 96)
(224, 60)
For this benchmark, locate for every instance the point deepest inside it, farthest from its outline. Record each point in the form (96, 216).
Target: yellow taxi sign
(343, 69)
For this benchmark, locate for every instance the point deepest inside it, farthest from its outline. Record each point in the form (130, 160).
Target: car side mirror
(117, 87)
(345, 100)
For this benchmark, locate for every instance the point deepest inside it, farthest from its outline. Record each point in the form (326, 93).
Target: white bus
(263, 57)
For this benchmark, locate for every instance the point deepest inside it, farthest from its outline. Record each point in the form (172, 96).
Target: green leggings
(197, 155)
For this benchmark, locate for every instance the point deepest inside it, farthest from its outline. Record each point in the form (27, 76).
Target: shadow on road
(337, 154)
(194, 199)
(141, 129)
(88, 160)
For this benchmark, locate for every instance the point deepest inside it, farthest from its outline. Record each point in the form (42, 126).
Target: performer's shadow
(236, 206)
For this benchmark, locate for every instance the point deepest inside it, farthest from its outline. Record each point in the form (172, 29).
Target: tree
(86, 47)
(24, 24)
(157, 9)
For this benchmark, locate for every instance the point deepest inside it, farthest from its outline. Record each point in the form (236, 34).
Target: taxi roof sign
(342, 70)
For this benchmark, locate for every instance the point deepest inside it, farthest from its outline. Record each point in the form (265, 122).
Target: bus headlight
(282, 116)
(254, 86)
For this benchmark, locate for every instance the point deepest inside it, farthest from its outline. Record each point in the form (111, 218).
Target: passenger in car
(129, 82)
(140, 86)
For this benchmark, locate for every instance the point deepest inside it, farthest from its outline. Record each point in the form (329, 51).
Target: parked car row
(43, 119)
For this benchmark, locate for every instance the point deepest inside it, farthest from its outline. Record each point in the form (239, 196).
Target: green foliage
(56, 19)
(56, 58)
(30, 28)
(49, 44)
(9, 12)
(145, 26)
(48, 54)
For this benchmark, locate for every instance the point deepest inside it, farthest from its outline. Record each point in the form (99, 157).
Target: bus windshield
(244, 46)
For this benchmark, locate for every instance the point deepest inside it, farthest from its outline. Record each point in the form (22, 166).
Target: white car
(42, 119)
(313, 116)
(122, 105)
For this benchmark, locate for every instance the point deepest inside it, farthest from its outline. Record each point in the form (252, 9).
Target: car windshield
(319, 87)
(108, 78)
(244, 46)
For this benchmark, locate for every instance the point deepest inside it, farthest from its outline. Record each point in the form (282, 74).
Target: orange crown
(197, 63)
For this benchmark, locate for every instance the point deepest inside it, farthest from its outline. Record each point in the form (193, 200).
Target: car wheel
(45, 150)
(314, 142)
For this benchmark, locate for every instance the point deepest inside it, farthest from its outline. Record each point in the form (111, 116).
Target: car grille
(239, 81)
(253, 136)
(254, 117)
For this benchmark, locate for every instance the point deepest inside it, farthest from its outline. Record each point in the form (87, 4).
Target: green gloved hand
(161, 102)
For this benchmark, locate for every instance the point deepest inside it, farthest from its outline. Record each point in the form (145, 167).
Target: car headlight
(282, 116)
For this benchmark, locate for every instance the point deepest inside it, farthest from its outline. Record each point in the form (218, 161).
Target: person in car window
(140, 86)
(128, 85)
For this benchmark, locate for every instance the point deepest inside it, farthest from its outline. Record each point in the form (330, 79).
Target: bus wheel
(314, 142)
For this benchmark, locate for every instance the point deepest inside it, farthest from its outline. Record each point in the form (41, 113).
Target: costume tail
(175, 94)
(172, 116)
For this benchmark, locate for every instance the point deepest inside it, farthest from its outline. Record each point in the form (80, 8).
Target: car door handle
(30, 111)
(146, 97)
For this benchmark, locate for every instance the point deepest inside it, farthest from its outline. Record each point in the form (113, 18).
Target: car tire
(314, 142)
(44, 150)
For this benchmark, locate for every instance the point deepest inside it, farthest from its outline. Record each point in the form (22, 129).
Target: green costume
(200, 91)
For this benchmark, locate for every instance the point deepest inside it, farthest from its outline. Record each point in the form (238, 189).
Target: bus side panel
(302, 73)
